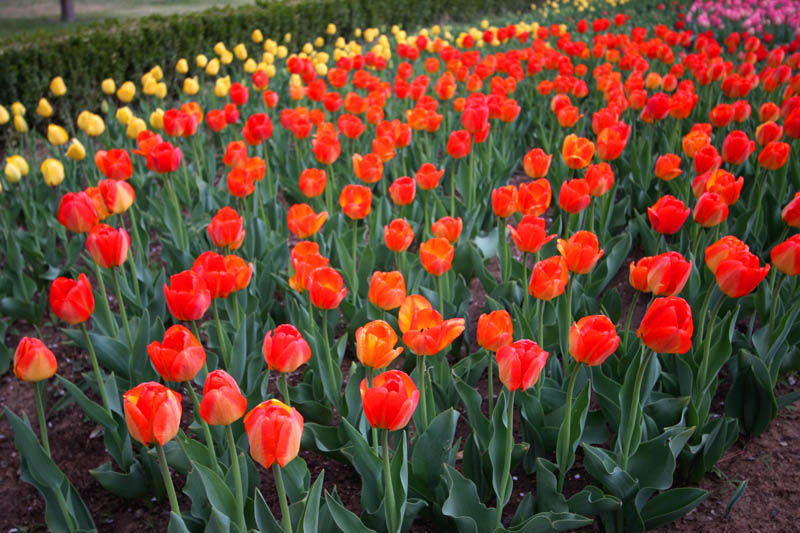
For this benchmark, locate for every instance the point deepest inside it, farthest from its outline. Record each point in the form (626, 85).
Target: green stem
(223, 342)
(328, 354)
(628, 321)
(104, 299)
(422, 395)
(635, 408)
(237, 477)
(375, 443)
(490, 376)
(355, 249)
(506, 484)
(707, 347)
(137, 244)
(452, 193)
(181, 230)
(562, 469)
(236, 310)
(38, 389)
(525, 283)
(96, 367)
(212, 454)
(774, 294)
(286, 519)
(389, 492)
(329, 191)
(702, 322)
(540, 312)
(441, 294)
(425, 208)
(122, 310)
(162, 462)
(696, 236)
(591, 215)
(62, 504)
(284, 384)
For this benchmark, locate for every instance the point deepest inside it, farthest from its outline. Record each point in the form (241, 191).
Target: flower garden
(532, 273)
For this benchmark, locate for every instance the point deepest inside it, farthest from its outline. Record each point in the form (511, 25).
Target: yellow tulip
(157, 72)
(4, 116)
(287, 38)
(226, 58)
(20, 124)
(126, 92)
(182, 66)
(340, 42)
(44, 109)
(76, 151)
(319, 42)
(149, 86)
(323, 57)
(357, 32)
(219, 48)
(201, 61)
(135, 127)
(52, 171)
(108, 86)
(268, 58)
(338, 54)
(124, 115)
(56, 135)
(96, 126)
(270, 70)
(436, 30)
(213, 67)
(321, 68)
(256, 36)
(17, 109)
(13, 173)
(161, 90)
(282, 52)
(270, 46)
(191, 86)
(57, 86)
(20, 163)
(220, 88)
(331, 29)
(157, 119)
(250, 65)
(240, 51)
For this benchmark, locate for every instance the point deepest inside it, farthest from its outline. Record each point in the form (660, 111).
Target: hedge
(124, 50)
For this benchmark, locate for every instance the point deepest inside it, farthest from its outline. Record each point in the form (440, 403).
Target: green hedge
(126, 49)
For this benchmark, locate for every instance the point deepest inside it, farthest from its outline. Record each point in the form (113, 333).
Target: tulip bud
(667, 326)
(179, 357)
(285, 349)
(4, 115)
(108, 86)
(152, 413)
(33, 361)
(391, 401)
(52, 171)
(56, 135)
(57, 86)
(495, 330)
(72, 301)
(44, 109)
(76, 151)
(126, 92)
(274, 430)
(521, 364)
(592, 339)
(375, 344)
(387, 290)
(223, 402)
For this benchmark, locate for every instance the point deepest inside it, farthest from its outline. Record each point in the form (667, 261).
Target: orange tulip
(612, 140)
(574, 196)
(387, 290)
(725, 184)
(774, 155)
(428, 177)
(356, 201)
(791, 213)
(368, 168)
(600, 178)
(637, 275)
(274, 430)
(448, 227)
(436, 255)
(723, 249)
(537, 163)
(179, 357)
(580, 252)
(529, 236)
(786, 256)
(739, 274)
(568, 116)
(326, 288)
(592, 339)
(223, 402)
(303, 221)
(226, 229)
(303, 267)
(694, 141)
(398, 235)
(285, 349)
(424, 330)
(577, 151)
(117, 195)
(667, 273)
(495, 330)
(668, 167)
(375, 344)
(241, 271)
(391, 401)
(72, 301)
(312, 182)
(521, 364)
(402, 190)
(667, 326)
(534, 198)
(152, 412)
(548, 278)
(33, 360)
(504, 201)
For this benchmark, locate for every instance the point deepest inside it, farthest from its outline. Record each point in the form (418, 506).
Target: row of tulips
(315, 278)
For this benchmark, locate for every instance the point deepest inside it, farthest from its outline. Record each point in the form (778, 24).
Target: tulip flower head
(72, 300)
(436, 255)
(667, 326)
(187, 296)
(375, 344)
(495, 330)
(152, 412)
(668, 214)
(226, 229)
(274, 430)
(285, 349)
(387, 290)
(521, 364)
(33, 360)
(592, 339)
(398, 235)
(424, 330)
(108, 246)
(223, 402)
(303, 222)
(391, 401)
(179, 357)
(326, 288)
(580, 252)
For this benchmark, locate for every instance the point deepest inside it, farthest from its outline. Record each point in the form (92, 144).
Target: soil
(770, 463)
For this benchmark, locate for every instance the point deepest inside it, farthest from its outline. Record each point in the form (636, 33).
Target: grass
(23, 16)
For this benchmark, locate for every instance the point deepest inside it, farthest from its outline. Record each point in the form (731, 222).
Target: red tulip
(235, 154)
(774, 155)
(580, 252)
(592, 339)
(786, 256)
(600, 178)
(521, 364)
(459, 144)
(504, 201)
(326, 288)
(117, 195)
(77, 213)
(791, 213)
(257, 129)
(668, 167)
(368, 168)
(114, 164)
(667, 326)
(737, 147)
(285, 349)
(574, 196)
(428, 176)
(72, 301)
(179, 357)
(303, 222)
(163, 158)
(710, 210)
(436, 255)
(495, 330)
(210, 266)
(612, 140)
(398, 235)
(226, 229)
(536, 163)
(668, 214)
(530, 235)
(152, 412)
(548, 278)
(391, 401)
(274, 430)
(387, 290)
(666, 273)
(739, 274)
(187, 296)
(33, 360)
(534, 198)
(223, 402)
(108, 246)
(447, 227)
(723, 249)
(356, 201)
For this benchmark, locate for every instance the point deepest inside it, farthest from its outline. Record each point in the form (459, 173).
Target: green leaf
(309, 520)
(132, 484)
(737, 495)
(265, 520)
(592, 501)
(751, 398)
(431, 451)
(345, 519)
(550, 521)
(602, 467)
(569, 437)
(548, 498)
(92, 410)
(497, 449)
(368, 466)
(219, 494)
(671, 505)
(464, 506)
(399, 468)
(176, 524)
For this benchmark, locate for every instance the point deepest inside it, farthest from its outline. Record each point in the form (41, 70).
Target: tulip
(786, 257)
(580, 252)
(504, 201)
(668, 214)
(118, 196)
(723, 249)
(521, 364)
(738, 274)
(326, 148)
(273, 430)
(710, 210)
(326, 288)
(768, 132)
(387, 290)
(226, 229)
(459, 144)
(534, 198)
(303, 267)
(568, 116)
(187, 296)
(600, 178)
(436, 255)
(536, 163)
(530, 235)
(312, 182)
(108, 246)
(355, 201)
(726, 185)
(774, 155)
(448, 228)
(707, 159)
(667, 326)
(428, 176)
(163, 158)
(428, 333)
(235, 154)
(398, 235)
(668, 167)
(574, 196)
(285, 349)
(77, 213)
(577, 151)
(375, 344)
(721, 115)
(791, 213)
(210, 266)
(153, 413)
(72, 301)
(368, 168)
(592, 339)
(402, 190)
(257, 129)
(303, 222)
(242, 272)
(612, 140)
(495, 330)
(737, 147)
(665, 274)
(179, 357)
(391, 400)
(57, 86)
(56, 135)
(33, 360)
(223, 403)
(694, 141)
(52, 171)
(548, 278)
